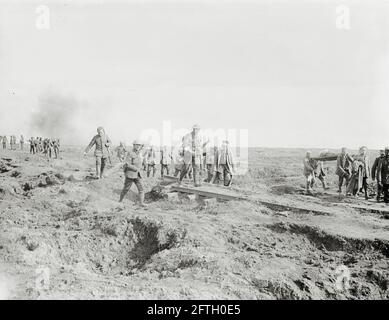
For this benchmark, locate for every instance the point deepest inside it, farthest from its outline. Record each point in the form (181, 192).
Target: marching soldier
(55, 143)
(343, 163)
(12, 142)
(374, 173)
(193, 145)
(36, 145)
(132, 171)
(32, 145)
(151, 161)
(363, 157)
(5, 142)
(144, 161)
(166, 160)
(21, 142)
(383, 175)
(210, 162)
(121, 152)
(102, 143)
(224, 164)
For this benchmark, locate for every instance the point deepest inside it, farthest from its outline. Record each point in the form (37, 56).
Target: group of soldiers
(192, 159)
(353, 171)
(12, 142)
(48, 147)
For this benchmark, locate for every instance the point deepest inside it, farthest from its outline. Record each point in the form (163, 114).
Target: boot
(340, 189)
(102, 168)
(97, 171)
(142, 199)
(308, 188)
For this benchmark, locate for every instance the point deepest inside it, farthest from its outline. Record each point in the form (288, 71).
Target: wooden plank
(214, 191)
(373, 209)
(208, 192)
(171, 179)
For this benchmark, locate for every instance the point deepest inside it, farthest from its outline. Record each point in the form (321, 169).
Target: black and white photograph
(194, 150)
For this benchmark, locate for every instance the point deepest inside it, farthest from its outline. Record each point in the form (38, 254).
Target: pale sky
(280, 69)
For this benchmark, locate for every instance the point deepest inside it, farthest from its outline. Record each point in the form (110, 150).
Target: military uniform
(166, 160)
(32, 145)
(364, 172)
(102, 144)
(132, 167)
(224, 165)
(12, 142)
(151, 162)
(374, 175)
(210, 162)
(5, 142)
(343, 162)
(36, 145)
(21, 142)
(121, 152)
(56, 148)
(193, 145)
(383, 176)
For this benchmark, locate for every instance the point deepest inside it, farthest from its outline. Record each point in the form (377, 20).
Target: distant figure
(144, 159)
(36, 145)
(374, 173)
(102, 143)
(40, 145)
(224, 164)
(343, 164)
(383, 175)
(132, 169)
(21, 142)
(151, 162)
(48, 148)
(32, 145)
(166, 160)
(121, 152)
(56, 148)
(12, 142)
(5, 142)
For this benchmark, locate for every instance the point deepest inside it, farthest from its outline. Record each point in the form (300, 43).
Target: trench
(323, 240)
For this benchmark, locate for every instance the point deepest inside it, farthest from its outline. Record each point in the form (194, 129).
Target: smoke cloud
(55, 116)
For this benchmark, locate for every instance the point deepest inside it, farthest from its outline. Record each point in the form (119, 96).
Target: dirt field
(64, 235)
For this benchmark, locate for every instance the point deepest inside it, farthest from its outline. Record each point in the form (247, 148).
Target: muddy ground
(64, 235)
